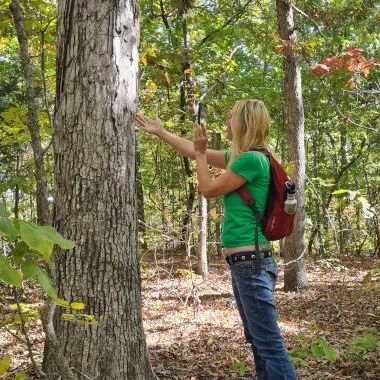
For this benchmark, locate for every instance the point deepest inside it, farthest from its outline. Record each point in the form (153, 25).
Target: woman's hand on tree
(155, 127)
(200, 138)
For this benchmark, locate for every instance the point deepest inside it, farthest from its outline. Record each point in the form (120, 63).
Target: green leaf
(30, 269)
(19, 251)
(46, 284)
(62, 302)
(7, 228)
(36, 239)
(68, 316)
(316, 349)
(77, 305)
(301, 361)
(52, 234)
(366, 342)
(339, 191)
(329, 351)
(3, 211)
(239, 367)
(20, 375)
(5, 363)
(321, 348)
(8, 274)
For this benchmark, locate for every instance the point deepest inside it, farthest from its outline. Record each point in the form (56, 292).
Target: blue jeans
(257, 309)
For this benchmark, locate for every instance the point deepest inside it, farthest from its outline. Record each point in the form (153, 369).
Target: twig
(14, 335)
(309, 18)
(232, 19)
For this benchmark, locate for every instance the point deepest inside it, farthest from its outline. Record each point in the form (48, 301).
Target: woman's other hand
(155, 127)
(200, 138)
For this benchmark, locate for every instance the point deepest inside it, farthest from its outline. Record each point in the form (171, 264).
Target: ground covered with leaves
(193, 330)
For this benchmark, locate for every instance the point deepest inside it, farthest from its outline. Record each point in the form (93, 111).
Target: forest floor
(193, 329)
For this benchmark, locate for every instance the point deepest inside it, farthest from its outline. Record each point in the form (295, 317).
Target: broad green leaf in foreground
(7, 228)
(56, 237)
(8, 274)
(36, 239)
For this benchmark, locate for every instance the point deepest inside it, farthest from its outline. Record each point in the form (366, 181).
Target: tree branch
(232, 19)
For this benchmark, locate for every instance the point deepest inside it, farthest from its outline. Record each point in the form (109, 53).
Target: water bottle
(290, 205)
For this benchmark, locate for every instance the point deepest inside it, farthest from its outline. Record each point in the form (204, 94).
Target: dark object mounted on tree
(202, 112)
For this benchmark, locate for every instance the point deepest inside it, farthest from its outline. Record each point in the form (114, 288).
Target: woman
(247, 129)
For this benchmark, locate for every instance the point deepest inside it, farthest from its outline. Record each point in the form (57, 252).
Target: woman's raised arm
(180, 144)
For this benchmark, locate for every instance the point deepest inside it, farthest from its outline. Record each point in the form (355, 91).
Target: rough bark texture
(43, 213)
(95, 194)
(294, 247)
(140, 200)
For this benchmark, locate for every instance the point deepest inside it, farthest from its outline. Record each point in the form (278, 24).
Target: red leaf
(320, 69)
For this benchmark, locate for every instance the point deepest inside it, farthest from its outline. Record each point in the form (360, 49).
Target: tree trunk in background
(343, 228)
(217, 144)
(95, 194)
(17, 187)
(186, 97)
(43, 212)
(202, 267)
(294, 249)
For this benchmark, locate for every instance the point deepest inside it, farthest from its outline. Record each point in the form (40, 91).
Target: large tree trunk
(43, 212)
(140, 200)
(95, 193)
(294, 249)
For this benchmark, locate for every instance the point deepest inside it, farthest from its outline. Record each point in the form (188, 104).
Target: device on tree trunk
(202, 113)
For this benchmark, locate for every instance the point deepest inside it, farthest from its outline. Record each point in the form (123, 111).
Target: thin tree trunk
(186, 96)
(95, 194)
(202, 267)
(43, 213)
(294, 250)
(217, 144)
(17, 187)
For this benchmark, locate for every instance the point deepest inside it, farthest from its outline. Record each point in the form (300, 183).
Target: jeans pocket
(272, 271)
(244, 267)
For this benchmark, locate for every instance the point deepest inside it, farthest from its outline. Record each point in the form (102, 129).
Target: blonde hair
(250, 122)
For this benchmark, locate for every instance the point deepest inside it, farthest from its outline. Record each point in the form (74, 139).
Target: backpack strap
(250, 200)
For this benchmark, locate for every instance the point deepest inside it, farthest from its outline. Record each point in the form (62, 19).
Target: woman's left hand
(200, 138)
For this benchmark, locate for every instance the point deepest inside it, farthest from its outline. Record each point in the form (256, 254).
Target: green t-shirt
(239, 221)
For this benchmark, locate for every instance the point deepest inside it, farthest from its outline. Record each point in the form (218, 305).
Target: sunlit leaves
(351, 60)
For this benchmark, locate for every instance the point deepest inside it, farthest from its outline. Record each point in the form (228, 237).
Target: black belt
(246, 256)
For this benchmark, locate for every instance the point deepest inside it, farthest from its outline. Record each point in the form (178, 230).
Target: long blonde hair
(250, 122)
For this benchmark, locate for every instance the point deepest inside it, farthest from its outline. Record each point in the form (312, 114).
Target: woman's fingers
(142, 121)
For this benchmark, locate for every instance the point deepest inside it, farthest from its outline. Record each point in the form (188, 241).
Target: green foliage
(320, 348)
(370, 282)
(239, 367)
(363, 344)
(33, 243)
(185, 273)
(5, 363)
(312, 347)
(29, 313)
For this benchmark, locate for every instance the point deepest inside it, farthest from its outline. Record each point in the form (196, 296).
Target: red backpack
(276, 222)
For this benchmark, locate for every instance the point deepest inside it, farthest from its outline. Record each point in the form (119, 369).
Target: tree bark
(43, 213)
(294, 248)
(95, 194)
(202, 267)
(140, 200)
(186, 98)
